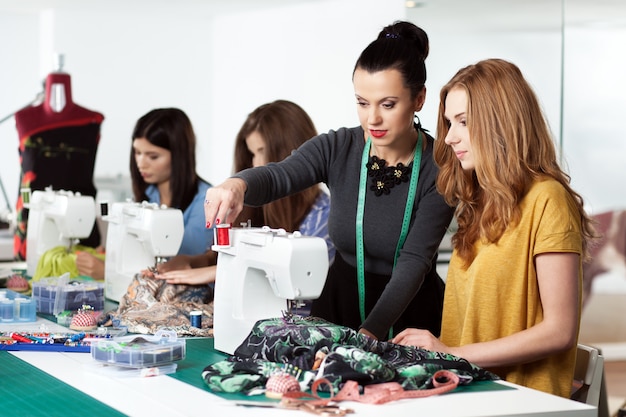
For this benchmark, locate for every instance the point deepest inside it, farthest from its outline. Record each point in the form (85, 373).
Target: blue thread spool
(27, 309)
(195, 317)
(6, 310)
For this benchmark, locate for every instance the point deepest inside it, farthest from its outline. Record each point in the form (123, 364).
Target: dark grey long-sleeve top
(335, 159)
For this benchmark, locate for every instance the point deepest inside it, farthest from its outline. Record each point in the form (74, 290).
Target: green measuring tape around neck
(408, 210)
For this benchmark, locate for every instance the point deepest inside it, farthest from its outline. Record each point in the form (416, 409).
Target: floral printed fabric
(296, 342)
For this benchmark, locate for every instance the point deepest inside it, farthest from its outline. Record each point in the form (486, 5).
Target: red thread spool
(222, 234)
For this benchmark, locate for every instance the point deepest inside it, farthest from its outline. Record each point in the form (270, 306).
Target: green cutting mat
(199, 353)
(34, 393)
(27, 391)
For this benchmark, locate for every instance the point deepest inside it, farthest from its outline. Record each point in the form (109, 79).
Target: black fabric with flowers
(383, 177)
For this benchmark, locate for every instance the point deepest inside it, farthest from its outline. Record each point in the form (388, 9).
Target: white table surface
(165, 396)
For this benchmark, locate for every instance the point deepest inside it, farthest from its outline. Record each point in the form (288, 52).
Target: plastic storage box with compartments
(140, 351)
(55, 295)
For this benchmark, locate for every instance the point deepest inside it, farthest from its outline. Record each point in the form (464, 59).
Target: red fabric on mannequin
(32, 120)
(58, 141)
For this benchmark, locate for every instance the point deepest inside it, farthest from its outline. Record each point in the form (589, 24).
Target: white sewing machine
(55, 218)
(139, 236)
(259, 272)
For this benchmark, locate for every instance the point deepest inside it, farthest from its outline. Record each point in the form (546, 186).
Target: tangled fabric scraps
(342, 355)
(150, 305)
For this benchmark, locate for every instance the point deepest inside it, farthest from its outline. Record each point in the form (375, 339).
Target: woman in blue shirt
(163, 171)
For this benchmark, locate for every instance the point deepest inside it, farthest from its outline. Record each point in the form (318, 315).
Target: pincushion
(17, 283)
(280, 383)
(83, 320)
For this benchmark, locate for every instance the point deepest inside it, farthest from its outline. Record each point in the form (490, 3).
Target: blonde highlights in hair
(512, 147)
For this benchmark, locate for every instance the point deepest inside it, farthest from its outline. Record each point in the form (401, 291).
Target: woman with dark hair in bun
(386, 218)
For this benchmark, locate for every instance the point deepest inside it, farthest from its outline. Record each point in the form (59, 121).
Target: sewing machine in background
(55, 218)
(260, 272)
(139, 236)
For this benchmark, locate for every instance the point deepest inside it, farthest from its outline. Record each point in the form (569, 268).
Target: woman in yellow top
(513, 291)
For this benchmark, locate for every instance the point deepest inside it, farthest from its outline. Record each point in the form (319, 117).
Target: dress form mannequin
(58, 141)
(56, 110)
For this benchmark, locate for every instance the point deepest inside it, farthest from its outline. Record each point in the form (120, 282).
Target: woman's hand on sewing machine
(420, 338)
(195, 276)
(89, 265)
(224, 202)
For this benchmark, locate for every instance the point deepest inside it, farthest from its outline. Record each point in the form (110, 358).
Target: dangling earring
(416, 120)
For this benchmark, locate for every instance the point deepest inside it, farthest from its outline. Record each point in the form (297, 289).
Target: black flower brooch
(383, 177)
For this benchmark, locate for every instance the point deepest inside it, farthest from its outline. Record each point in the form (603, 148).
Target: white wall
(218, 63)
(215, 63)
(536, 53)
(20, 82)
(310, 62)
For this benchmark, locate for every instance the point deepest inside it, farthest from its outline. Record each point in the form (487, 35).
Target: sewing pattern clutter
(320, 349)
(150, 305)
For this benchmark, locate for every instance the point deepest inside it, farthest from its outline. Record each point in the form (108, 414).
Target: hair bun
(407, 31)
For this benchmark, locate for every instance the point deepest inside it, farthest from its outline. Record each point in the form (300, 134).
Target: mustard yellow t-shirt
(498, 294)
